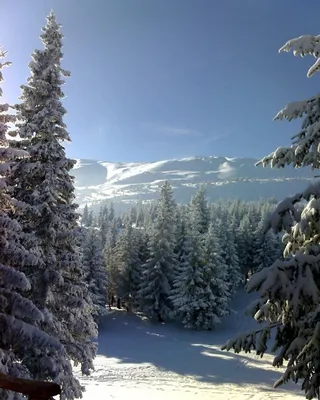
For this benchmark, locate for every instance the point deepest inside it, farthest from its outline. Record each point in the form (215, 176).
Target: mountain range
(224, 178)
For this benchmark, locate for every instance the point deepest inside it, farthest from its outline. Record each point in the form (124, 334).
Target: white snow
(138, 359)
(101, 180)
(302, 46)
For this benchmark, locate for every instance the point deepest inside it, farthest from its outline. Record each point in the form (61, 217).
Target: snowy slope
(143, 360)
(225, 178)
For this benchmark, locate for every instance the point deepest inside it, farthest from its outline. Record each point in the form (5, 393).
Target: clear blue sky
(158, 79)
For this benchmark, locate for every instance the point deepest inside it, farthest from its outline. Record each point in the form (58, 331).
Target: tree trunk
(36, 390)
(119, 303)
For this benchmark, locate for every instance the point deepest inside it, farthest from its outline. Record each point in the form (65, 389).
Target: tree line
(180, 262)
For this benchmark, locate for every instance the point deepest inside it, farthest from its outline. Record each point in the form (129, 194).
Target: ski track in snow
(145, 360)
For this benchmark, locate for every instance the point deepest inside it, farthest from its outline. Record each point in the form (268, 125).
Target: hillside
(226, 178)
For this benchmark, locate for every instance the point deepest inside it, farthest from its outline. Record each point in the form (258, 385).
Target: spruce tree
(217, 274)
(199, 209)
(111, 266)
(85, 216)
(290, 289)
(49, 220)
(95, 271)
(159, 270)
(25, 350)
(227, 240)
(267, 246)
(104, 220)
(129, 265)
(200, 292)
(246, 247)
(181, 236)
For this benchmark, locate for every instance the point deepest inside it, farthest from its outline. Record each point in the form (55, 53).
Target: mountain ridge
(224, 177)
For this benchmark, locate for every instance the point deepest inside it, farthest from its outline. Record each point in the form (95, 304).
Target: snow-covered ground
(145, 360)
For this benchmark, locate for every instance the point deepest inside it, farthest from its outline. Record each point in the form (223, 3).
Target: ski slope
(139, 359)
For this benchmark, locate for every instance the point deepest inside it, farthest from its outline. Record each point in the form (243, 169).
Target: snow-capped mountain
(225, 178)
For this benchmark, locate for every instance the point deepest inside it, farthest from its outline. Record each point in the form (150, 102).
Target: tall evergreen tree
(95, 271)
(109, 256)
(290, 289)
(159, 270)
(50, 220)
(246, 247)
(85, 216)
(200, 211)
(267, 245)
(227, 240)
(181, 236)
(104, 223)
(200, 294)
(21, 340)
(129, 265)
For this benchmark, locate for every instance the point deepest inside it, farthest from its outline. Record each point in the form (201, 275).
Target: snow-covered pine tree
(95, 271)
(143, 248)
(141, 214)
(246, 247)
(217, 275)
(85, 216)
(109, 256)
(200, 294)
(50, 220)
(181, 235)
(133, 216)
(227, 240)
(104, 220)
(290, 289)
(91, 219)
(267, 246)
(128, 262)
(159, 270)
(24, 349)
(111, 215)
(199, 209)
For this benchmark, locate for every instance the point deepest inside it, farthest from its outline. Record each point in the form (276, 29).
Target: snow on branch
(305, 147)
(302, 46)
(298, 109)
(287, 213)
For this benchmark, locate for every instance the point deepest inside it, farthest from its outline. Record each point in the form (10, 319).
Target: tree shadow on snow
(131, 339)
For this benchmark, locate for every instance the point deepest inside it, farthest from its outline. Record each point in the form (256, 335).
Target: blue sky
(159, 79)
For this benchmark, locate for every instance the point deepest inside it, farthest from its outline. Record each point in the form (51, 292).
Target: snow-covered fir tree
(95, 271)
(246, 247)
(85, 216)
(142, 242)
(268, 246)
(290, 289)
(109, 256)
(25, 350)
(104, 220)
(181, 235)
(217, 273)
(49, 220)
(128, 262)
(200, 292)
(159, 270)
(199, 209)
(227, 239)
